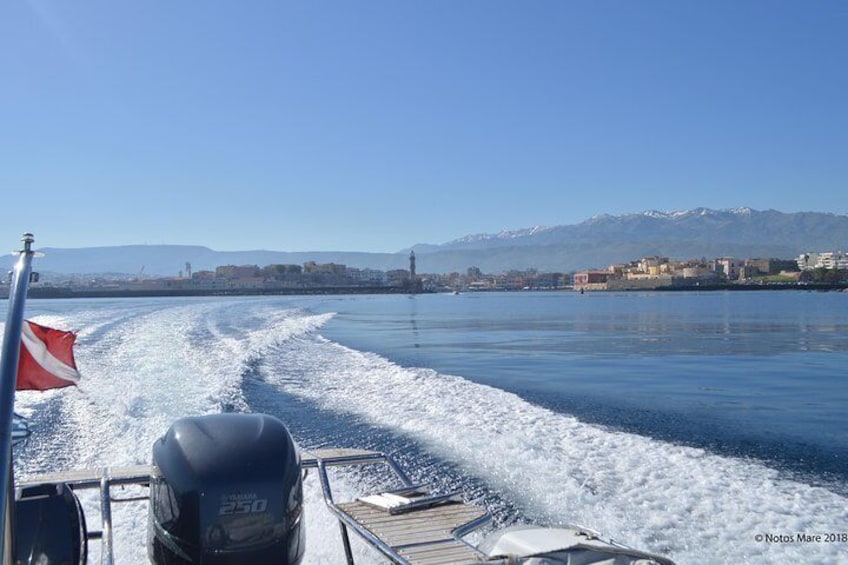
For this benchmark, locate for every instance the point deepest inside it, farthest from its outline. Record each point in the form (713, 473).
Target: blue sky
(375, 125)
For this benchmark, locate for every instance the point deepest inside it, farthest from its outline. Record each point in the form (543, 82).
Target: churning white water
(146, 363)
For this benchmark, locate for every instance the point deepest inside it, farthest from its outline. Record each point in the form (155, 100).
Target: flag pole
(8, 378)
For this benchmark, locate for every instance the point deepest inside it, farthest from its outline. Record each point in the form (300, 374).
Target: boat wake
(145, 364)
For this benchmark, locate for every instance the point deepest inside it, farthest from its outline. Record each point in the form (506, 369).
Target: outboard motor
(226, 489)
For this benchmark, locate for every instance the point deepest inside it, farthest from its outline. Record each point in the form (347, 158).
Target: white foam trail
(146, 364)
(682, 501)
(142, 369)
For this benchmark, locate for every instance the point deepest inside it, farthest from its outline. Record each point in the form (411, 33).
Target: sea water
(697, 425)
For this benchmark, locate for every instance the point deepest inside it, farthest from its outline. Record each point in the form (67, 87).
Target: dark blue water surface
(750, 374)
(757, 377)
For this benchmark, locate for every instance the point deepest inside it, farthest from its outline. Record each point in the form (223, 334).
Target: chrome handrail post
(8, 380)
(328, 499)
(106, 557)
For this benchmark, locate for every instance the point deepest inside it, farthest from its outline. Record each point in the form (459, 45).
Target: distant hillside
(169, 260)
(594, 243)
(603, 240)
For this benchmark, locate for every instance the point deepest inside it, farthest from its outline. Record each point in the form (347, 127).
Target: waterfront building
(236, 271)
(367, 276)
(398, 277)
(730, 267)
(822, 260)
(591, 280)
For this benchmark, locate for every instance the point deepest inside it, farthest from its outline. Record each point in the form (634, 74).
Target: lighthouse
(413, 281)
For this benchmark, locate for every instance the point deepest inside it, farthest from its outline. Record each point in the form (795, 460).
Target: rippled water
(680, 423)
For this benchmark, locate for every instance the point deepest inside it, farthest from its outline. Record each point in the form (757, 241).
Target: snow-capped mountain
(606, 239)
(505, 234)
(798, 231)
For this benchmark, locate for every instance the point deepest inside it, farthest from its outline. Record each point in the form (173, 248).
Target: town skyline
(825, 270)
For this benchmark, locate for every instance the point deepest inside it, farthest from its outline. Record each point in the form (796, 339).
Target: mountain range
(593, 243)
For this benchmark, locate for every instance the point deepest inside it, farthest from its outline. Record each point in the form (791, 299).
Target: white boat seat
(408, 499)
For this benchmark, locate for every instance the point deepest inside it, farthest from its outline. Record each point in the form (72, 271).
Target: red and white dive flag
(47, 358)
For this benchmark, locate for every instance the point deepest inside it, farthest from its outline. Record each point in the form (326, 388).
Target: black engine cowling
(226, 489)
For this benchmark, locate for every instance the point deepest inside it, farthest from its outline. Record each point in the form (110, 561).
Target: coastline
(765, 286)
(60, 292)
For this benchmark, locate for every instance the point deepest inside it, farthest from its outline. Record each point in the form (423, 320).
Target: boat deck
(423, 536)
(425, 531)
